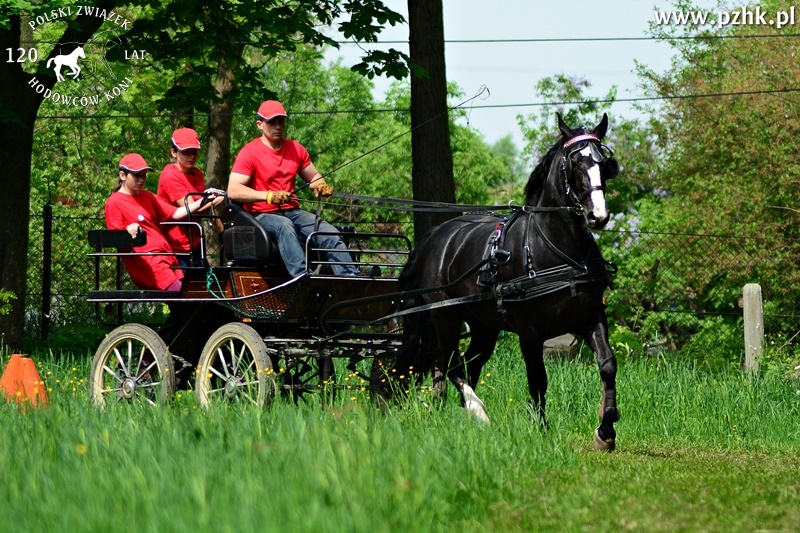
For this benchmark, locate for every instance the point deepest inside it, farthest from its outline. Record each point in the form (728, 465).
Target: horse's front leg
(532, 348)
(597, 339)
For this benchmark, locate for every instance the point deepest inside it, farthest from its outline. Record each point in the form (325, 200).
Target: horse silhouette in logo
(70, 60)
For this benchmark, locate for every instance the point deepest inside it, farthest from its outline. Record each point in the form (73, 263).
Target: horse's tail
(417, 353)
(50, 61)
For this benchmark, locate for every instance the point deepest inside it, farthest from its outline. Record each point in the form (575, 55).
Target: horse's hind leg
(481, 347)
(533, 354)
(453, 365)
(597, 339)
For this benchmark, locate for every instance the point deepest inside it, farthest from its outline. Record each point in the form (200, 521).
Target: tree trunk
(220, 123)
(431, 156)
(19, 105)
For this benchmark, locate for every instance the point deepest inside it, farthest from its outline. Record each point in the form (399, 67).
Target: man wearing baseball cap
(177, 180)
(263, 179)
(133, 208)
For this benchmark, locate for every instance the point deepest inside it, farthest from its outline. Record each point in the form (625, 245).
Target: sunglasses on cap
(273, 120)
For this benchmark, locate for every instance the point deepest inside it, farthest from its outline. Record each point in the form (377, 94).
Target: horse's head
(585, 165)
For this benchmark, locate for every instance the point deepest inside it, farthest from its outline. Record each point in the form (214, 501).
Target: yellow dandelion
(81, 448)
(510, 400)
(488, 374)
(352, 398)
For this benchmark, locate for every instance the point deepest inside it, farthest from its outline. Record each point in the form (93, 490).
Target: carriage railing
(379, 255)
(120, 239)
(190, 226)
(212, 216)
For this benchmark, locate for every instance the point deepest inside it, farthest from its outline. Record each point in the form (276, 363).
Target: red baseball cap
(271, 109)
(185, 139)
(133, 163)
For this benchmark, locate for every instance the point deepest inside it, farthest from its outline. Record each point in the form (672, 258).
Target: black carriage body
(290, 326)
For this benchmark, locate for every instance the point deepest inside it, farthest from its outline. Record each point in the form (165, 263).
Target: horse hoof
(601, 445)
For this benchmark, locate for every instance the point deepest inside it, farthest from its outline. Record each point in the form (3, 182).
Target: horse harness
(533, 284)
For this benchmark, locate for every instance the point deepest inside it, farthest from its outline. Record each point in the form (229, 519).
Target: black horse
(537, 273)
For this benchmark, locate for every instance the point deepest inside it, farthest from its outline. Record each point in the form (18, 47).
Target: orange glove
(320, 187)
(278, 197)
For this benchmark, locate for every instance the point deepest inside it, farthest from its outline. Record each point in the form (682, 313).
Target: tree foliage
(726, 144)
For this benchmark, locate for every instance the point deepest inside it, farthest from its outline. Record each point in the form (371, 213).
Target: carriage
(536, 272)
(245, 330)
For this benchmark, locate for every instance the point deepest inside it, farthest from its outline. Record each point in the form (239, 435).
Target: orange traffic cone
(21, 381)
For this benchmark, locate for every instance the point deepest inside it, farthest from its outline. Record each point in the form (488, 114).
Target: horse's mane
(535, 185)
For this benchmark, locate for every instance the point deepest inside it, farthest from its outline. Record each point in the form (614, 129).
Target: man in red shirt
(132, 208)
(178, 180)
(263, 179)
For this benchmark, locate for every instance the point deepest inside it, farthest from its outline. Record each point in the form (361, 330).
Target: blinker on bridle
(598, 152)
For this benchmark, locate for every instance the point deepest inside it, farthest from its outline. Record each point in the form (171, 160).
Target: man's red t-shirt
(149, 272)
(173, 186)
(271, 170)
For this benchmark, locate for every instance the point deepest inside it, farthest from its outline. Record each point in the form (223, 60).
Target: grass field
(695, 452)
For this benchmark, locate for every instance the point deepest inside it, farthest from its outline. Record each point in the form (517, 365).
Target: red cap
(271, 109)
(185, 139)
(133, 163)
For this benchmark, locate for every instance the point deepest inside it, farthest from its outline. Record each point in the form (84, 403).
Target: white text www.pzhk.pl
(743, 16)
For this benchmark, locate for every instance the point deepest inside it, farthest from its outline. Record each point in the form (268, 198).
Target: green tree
(726, 137)
(207, 79)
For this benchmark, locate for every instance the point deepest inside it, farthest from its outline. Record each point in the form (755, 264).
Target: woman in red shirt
(179, 179)
(132, 208)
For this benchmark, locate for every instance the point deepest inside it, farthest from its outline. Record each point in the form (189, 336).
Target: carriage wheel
(235, 367)
(131, 364)
(304, 375)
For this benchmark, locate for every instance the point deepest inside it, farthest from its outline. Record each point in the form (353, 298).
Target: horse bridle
(599, 153)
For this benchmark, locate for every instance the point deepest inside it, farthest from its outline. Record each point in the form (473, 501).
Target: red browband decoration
(579, 138)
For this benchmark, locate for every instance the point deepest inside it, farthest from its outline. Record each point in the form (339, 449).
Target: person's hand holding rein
(215, 196)
(321, 188)
(278, 197)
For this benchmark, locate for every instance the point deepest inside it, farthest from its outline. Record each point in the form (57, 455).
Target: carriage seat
(245, 241)
(123, 242)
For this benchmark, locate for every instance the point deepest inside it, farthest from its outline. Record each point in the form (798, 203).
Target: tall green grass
(696, 451)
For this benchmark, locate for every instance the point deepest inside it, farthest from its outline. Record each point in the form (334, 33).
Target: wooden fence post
(753, 327)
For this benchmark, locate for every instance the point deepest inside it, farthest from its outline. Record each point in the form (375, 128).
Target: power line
(487, 106)
(549, 40)
(590, 39)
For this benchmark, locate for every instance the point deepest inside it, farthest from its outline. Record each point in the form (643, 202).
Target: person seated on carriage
(133, 209)
(177, 180)
(263, 179)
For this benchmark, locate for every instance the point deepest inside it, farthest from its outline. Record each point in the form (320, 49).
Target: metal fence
(668, 286)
